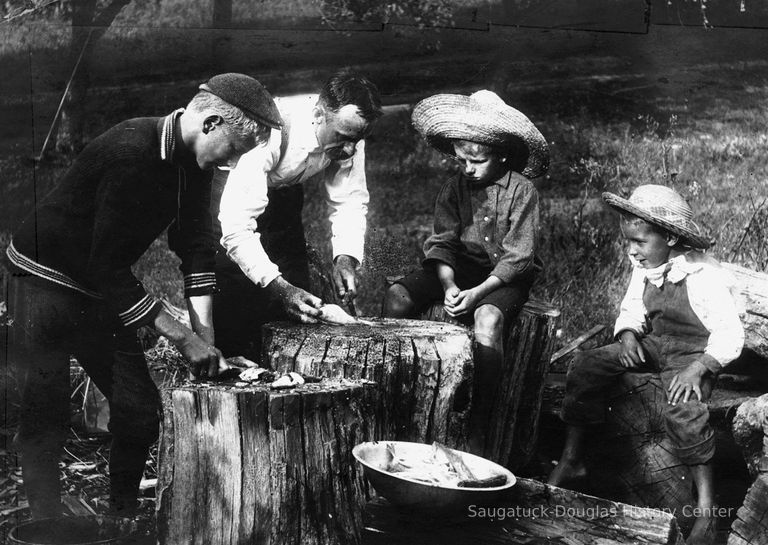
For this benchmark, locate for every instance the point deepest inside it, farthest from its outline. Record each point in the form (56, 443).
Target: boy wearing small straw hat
(481, 258)
(678, 318)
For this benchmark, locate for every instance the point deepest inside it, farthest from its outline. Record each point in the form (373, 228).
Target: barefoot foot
(568, 474)
(703, 532)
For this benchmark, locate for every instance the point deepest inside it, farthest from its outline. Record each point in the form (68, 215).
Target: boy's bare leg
(397, 302)
(571, 465)
(704, 529)
(489, 328)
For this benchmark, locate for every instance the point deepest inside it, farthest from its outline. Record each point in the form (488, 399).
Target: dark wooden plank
(531, 513)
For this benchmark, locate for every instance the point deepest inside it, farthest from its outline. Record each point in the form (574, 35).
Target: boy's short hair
(516, 153)
(631, 219)
(348, 87)
(238, 124)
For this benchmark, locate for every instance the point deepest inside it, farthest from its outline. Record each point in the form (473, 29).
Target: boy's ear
(672, 240)
(318, 113)
(210, 122)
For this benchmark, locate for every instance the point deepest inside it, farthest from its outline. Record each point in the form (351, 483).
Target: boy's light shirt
(245, 195)
(708, 294)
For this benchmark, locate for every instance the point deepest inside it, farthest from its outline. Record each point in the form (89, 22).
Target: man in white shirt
(265, 275)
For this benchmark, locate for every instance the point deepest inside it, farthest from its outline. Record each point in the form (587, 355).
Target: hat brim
(446, 117)
(694, 238)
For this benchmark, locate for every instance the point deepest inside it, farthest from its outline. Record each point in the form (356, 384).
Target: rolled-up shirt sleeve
(632, 310)
(243, 200)
(519, 244)
(711, 300)
(445, 242)
(348, 197)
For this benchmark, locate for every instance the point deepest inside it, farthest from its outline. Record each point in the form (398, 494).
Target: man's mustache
(337, 152)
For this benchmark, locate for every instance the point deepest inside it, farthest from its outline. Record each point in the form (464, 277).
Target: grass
(715, 161)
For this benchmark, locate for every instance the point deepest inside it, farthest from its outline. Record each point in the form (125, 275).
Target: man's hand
(345, 277)
(204, 360)
(686, 382)
(631, 351)
(299, 304)
(465, 301)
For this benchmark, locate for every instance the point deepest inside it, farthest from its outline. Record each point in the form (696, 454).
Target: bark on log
(638, 468)
(250, 465)
(514, 426)
(750, 431)
(532, 513)
(753, 288)
(751, 524)
(423, 370)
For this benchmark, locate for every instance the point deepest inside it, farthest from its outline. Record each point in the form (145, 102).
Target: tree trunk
(514, 426)
(250, 465)
(69, 139)
(422, 368)
(222, 41)
(532, 513)
(87, 28)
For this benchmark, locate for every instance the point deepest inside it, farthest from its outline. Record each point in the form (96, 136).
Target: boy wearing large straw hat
(481, 258)
(678, 318)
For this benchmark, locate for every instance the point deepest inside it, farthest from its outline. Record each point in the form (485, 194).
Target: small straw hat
(664, 207)
(483, 118)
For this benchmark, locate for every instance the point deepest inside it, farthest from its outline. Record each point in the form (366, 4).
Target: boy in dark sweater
(71, 290)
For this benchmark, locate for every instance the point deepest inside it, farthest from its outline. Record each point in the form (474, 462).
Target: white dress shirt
(709, 293)
(245, 195)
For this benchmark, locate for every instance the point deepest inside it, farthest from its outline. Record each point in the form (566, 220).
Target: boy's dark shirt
(494, 227)
(112, 203)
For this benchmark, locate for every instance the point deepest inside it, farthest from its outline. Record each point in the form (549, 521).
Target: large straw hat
(664, 207)
(484, 118)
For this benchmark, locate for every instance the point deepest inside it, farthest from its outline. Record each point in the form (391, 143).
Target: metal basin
(94, 530)
(413, 494)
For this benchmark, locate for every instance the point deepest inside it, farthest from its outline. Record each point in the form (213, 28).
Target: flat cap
(245, 93)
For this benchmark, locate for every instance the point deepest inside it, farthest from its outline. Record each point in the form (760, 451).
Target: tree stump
(250, 465)
(638, 468)
(423, 370)
(514, 426)
(750, 430)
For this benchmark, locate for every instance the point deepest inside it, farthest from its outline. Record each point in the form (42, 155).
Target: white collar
(674, 270)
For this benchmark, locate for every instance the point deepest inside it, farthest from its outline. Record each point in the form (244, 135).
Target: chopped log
(750, 431)
(753, 288)
(532, 513)
(423, 369)
(514, 425)
(250, 465)
(638, 468)
(751, 524)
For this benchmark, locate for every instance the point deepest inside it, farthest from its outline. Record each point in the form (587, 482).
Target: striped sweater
(125, 188)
